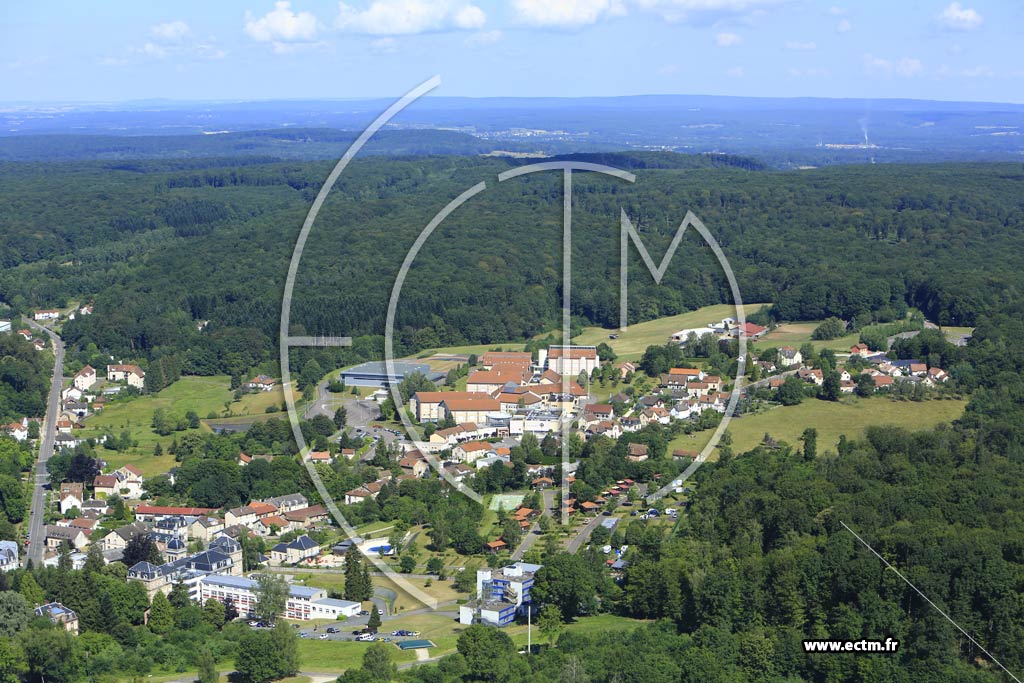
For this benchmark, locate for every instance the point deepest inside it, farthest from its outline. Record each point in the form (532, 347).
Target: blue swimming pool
(381, 549)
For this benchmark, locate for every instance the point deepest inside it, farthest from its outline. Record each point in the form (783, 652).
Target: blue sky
(253, 49)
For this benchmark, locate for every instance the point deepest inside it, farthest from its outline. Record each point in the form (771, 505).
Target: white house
(132, 374)
(84, 378)
(569, 360)
(46, 315)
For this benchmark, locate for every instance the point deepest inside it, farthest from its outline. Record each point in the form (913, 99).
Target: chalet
(633, 423)
(657, 413)
(84, 378)
(244, 459)
(776, 382)
(26, 334)
(38, 344)
(347, 453)
(937, 374)
(542, 482)
(261, 383)
(131, 374)
(495, 547)
(87, 309)
(918, 369)
(685, 455)
(882, 381)
(321, 456)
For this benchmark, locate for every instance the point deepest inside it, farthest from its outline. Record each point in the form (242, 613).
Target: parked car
(364, 613)
(324, 636)
(331, 629)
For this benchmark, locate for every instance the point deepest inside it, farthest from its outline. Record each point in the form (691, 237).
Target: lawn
(204, 395)
(632, 343)
(851, 416)
(335, 656)
(795, 334)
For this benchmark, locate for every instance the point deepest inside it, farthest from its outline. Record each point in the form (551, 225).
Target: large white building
(501, 595)
(569, 360)
(304, 602)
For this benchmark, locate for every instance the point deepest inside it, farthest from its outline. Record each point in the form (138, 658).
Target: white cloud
(960, 18)
(836, 11)
(409, 17)
(286, 29)
(812, 72)
(796, 45)
(908, 67)
(485, 38)
(735, 72)
(727, 39)
(844, 26)
(978, 72)
(566, 13)
(384, 46)
(154, 50)
(705, 10)
(171, 31)
(879, 66)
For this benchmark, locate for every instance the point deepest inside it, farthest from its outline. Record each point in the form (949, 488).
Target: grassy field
(632, 343)
(795, 334)
(204, 395)
(851, 416)
(335, 656)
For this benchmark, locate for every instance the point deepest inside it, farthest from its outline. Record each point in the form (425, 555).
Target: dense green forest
(24, 378)
(160, 245)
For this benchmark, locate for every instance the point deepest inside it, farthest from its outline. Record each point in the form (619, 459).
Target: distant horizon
(376, 98)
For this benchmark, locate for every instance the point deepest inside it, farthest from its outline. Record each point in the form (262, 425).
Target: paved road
(47, 434)
(581, 538)
(764, 382)
(548, 496)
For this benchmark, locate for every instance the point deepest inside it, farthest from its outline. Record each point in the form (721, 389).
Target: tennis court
(414, 644)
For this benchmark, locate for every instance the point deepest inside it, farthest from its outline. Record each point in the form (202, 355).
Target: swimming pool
(380, 549)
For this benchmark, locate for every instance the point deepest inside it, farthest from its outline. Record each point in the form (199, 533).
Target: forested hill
(281, 143)
(161, 245)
